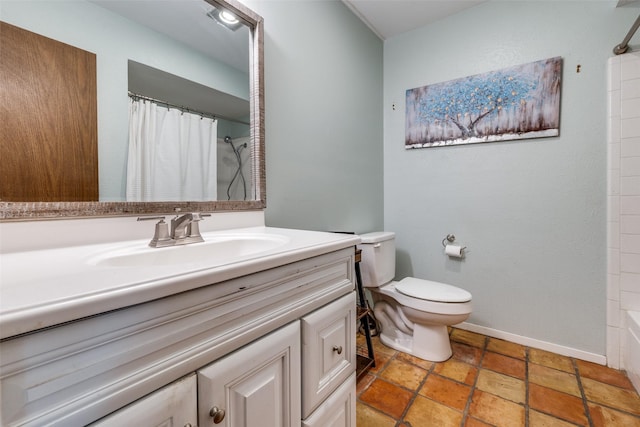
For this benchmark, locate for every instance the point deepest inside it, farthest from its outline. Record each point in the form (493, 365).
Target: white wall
(323, 72)
(623, 243)
(533, 212)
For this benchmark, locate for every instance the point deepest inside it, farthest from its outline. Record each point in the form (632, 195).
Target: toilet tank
(378, 263)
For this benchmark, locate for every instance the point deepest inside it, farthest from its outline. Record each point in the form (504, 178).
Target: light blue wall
(532, 212)
(323, 71)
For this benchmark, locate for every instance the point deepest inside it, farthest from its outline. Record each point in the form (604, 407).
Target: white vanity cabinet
(264, 348)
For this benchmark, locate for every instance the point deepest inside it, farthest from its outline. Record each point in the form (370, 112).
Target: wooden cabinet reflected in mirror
(48, 120)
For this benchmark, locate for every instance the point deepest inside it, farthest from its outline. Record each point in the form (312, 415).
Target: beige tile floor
(491, 382)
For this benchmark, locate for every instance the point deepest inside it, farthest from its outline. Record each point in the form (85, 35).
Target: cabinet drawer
(339, 410)
(328, 350)
(172, 405)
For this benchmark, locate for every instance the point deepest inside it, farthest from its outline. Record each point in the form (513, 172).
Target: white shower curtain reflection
(172, 154)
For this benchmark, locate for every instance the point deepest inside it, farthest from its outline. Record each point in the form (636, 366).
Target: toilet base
(431, 342)
(419, 333)
(428, 342)
(401, 344)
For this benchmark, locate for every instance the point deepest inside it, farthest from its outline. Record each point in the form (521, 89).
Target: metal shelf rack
(365, 356)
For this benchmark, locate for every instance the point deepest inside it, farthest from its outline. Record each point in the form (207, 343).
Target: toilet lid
(431, 291)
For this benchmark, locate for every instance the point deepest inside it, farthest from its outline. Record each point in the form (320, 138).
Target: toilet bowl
(413, 313)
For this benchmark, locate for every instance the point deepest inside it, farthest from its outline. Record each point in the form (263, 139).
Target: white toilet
(413, 313)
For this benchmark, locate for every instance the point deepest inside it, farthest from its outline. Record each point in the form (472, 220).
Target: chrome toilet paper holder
(450, 238)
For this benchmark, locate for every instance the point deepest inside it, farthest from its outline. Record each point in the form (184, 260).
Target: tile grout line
(582, 393)
(465, 412)
(376, 376)
(526, 386)
(416, 393)
(382, 368)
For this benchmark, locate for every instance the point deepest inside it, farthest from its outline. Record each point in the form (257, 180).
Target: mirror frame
(65, 210)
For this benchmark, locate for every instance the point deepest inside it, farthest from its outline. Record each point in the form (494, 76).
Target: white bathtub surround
(623, 213)
(631, 349)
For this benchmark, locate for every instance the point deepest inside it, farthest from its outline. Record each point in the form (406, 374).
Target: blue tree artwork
(519, 102)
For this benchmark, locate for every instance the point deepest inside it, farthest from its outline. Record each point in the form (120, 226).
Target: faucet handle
(149, 218)
(193, 233)
(193, 229)
(161, 236)
(197, 216)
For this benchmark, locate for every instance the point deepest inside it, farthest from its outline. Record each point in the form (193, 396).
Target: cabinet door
(328, 350)
(256, 386)
(172, 405)
(338, 410)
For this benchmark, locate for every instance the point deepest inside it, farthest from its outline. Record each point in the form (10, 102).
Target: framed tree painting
(518, 102)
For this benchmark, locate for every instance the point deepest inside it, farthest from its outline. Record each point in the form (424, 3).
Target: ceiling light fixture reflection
(225, 18)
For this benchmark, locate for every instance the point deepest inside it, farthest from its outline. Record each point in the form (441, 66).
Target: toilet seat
(432, 291)
(425, 305)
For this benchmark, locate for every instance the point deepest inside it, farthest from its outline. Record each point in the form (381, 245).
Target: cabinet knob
(337, 349)
(217, 414)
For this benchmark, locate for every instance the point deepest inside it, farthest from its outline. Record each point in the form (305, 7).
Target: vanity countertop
(42, 288)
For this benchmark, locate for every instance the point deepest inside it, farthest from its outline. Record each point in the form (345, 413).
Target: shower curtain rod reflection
(624, 46)
(184, 109)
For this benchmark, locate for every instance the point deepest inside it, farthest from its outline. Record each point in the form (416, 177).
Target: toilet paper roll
(455, 251)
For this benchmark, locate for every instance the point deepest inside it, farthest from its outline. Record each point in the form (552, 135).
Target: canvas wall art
(518, 102)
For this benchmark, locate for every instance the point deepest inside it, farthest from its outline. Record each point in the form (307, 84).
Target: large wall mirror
(170, 75)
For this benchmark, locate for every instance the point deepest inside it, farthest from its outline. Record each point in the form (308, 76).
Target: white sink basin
(216, 249)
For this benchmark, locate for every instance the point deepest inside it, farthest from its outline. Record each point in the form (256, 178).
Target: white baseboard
(531, 342)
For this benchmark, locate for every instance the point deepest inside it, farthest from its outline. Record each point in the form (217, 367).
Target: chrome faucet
(184, 230)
